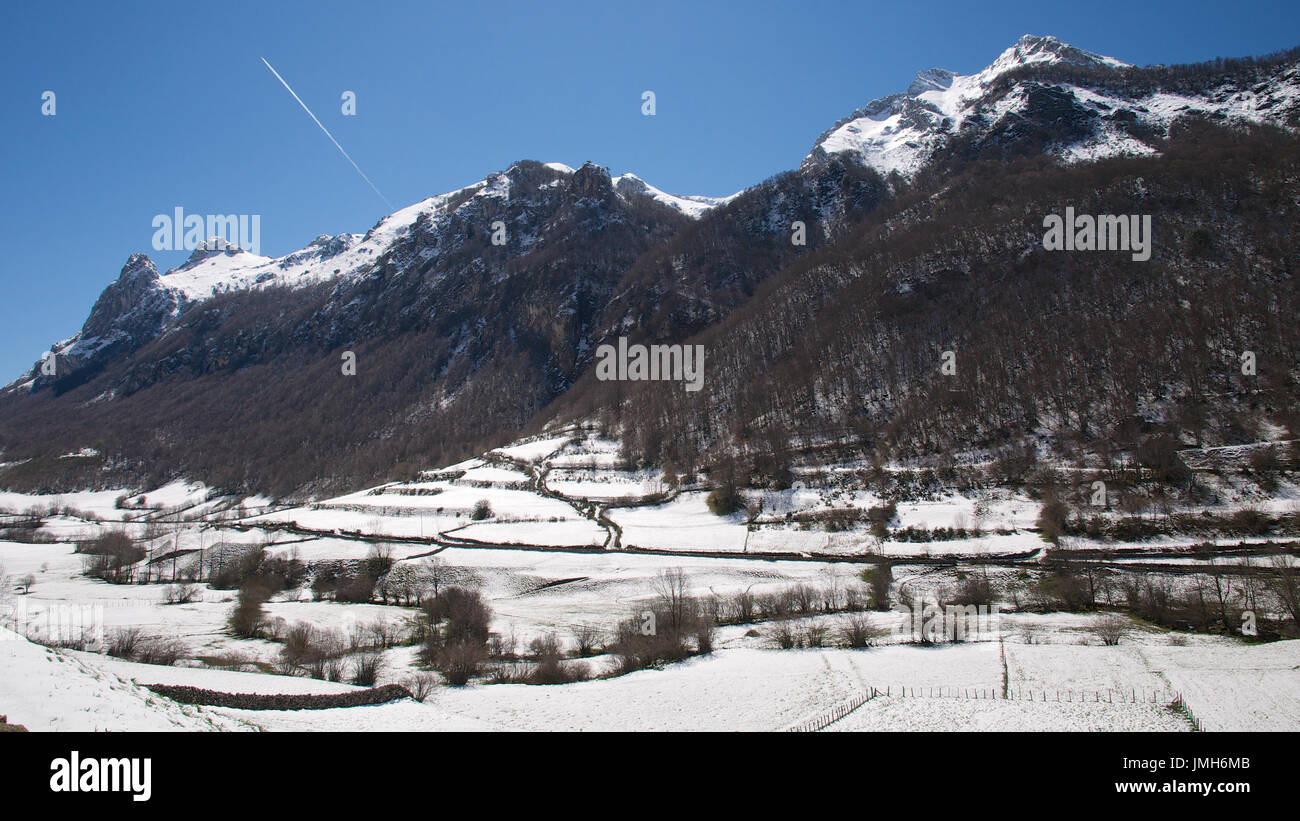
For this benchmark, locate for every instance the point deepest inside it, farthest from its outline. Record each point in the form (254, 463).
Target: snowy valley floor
(572, 540)
(941, 688)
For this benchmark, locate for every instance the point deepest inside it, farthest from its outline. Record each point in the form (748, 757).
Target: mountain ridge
(460, 341)
(898, 133)
(901, 132)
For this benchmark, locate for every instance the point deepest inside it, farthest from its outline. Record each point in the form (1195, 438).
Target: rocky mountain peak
(1106, 108)
(591, 181)
(138, 270)
(1032, 48)
(931, 79)
(214, 247)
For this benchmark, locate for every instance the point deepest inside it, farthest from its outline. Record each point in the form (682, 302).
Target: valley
(467, 469)
(565, 542)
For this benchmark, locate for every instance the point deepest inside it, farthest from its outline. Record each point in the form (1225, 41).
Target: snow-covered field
(731, 690)
(44, 689)
(559, 535)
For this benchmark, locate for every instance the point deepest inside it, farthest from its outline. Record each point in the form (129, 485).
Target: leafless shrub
(248, 616)
(296, 640)
(1151, 599)
(160, 650)
(503, 646)
(366, 668)
(854, 598)
(318, 653)
(383, 633)
(232, 661)
(878, 579)
(550, 668)
(547, 646)
(801, 599)
(461, 614)
(587, 638)
(420, 685)
(705, 631)
(856, 631)
(576, 671)
(830, 596)
(509, 673)
(182, 593)
(974, 590)
(458, 662)
(1065, 589)
(1284, 583)
(85, 640)
(1111, 628)
(675, 608)
(379, 560)
(743, 607)
(775, 605)
(1051, 518)
(638, 647)
(814, 635)
(355, 589)
(332, 668)
(709, 608)
(123, 643)
(785, 635)
(112, 557)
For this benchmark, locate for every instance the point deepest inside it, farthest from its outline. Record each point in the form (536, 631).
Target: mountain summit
(1080, 105)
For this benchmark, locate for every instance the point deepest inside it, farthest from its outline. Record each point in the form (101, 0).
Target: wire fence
(1181, 705)
(1133, 695)
(1108, 696)
(833, 714)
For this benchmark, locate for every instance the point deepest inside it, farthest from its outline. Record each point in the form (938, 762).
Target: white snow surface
(747, 683)
(44, 689)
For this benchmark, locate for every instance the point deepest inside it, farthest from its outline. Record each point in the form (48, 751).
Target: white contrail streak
(327, 133)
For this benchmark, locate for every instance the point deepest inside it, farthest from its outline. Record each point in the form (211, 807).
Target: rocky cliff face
(130, 313)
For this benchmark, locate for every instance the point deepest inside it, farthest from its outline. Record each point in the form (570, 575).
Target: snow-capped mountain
(207, 273)
(1099, 115)
(135, 308)
(1091, 107)
(691, 205)
(232, 361)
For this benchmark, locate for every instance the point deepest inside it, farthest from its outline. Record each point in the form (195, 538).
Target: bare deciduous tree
(587, 638)
(1284, 582)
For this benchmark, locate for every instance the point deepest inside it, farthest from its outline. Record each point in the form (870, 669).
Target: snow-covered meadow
(561, 537)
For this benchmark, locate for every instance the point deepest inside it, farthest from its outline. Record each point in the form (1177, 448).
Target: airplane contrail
(327, 133)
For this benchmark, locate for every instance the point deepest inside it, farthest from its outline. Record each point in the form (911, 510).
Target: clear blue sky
(165, 104)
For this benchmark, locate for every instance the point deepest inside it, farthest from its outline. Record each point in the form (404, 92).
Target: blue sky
(164, 104)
